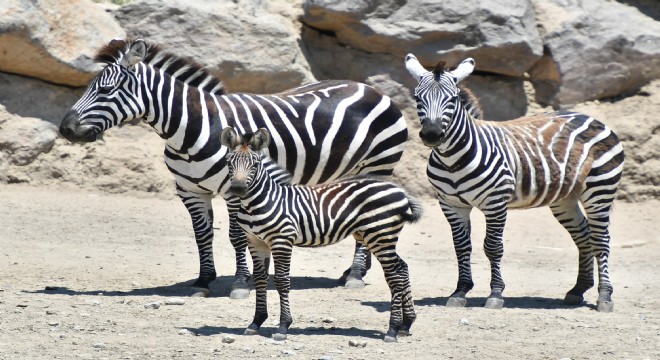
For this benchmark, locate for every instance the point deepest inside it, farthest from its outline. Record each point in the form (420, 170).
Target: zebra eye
(105, 89)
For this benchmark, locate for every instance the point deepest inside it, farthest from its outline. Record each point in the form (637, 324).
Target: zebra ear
(414, 67)
(463, 69)
(260, 140)
(136, 53)
(230, 138)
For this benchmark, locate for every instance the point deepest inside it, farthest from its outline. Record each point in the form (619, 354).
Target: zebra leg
(459, 221)
(402, 311)
(352, 277)
(282, 260)
(570, 216)
(495, 220)
(238, 239)
(598, 215)
(201, 212)
(260, 259)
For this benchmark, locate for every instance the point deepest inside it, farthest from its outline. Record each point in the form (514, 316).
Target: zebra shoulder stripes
(558, 159)
(278, 216)
(320, 131)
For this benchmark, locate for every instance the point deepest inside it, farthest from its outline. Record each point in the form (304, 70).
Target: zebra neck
(261, 193)
(461, 144)
(178, 112)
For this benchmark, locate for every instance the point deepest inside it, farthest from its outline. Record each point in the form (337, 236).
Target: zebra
(276, 216)
(560, 160)
(321, 131)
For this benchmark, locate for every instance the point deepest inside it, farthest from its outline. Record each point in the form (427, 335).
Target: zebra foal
(559, 160)
(276, 216)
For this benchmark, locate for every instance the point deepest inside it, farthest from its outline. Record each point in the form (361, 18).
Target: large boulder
(252, 46)
(593, 49)
(53, 40)
(500, 34)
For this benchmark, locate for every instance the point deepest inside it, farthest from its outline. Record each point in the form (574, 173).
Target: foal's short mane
(190, 71)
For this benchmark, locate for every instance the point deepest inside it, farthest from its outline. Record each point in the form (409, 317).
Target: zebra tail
(414, 212)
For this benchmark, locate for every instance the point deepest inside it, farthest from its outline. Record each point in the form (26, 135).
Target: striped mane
(471, 103)
(184, 69)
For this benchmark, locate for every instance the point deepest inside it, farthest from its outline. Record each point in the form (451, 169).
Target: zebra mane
(184, 69)
(470, 102)
(276, 171)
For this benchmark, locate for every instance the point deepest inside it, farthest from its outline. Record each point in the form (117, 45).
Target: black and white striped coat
(321, 131)
(278, 216)
(559, 160)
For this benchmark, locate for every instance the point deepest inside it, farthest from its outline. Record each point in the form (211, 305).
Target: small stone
(248, 350)
(535, 329)
(78, 328)
(357, 343)
(185, 332)
(464, 321)
(228, 339)
(153, 305)
(51, 312)
(329, 320)
(175, 301)
(99, 346)
(53, 323)
(62, 336)
(289, 352)
(298, 347)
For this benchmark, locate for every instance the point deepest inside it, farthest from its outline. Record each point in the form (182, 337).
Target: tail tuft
(415, 211)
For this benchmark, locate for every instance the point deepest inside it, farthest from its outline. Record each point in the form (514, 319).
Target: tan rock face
(54, 40)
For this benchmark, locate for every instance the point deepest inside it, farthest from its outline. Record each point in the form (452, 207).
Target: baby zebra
(277, 215)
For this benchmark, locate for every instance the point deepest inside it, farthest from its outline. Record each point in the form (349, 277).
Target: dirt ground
(78, 268)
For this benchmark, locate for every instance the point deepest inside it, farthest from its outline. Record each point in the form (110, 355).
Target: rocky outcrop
(53, 40)
(250, 45)
(23, 139)
(590, 53)
(501, 34)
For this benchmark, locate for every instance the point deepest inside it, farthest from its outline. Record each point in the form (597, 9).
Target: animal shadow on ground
(300, 329)
(520, 302)
(221, 287)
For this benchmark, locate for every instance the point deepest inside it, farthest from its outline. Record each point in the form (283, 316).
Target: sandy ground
(77, 268)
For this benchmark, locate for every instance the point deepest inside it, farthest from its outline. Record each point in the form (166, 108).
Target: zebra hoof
(354, 284)
(605, 306)
(279, 336)
(494, 303)
(456, 302)
(249, 331)
(390, 339)
(573, 299)
(200, 292)
(239, 294)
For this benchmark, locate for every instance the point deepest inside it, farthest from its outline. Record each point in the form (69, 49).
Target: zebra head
(244, 157)
(437, 96)
(112, 97)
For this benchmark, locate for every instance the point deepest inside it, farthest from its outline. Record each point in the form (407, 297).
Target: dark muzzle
(71, 129)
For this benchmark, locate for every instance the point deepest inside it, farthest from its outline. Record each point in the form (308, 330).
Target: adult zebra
(556, 159)
(321, 132)
(276, 216)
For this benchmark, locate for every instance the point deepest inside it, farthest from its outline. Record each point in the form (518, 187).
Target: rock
(589, 55)
(329, 320)
(23, 139)
(228, 339)
(153, 305)
(185, 332)
(226, 36)
(501, 35)
(464, 321)
(174, 301)
(99, 346)
(500, 97)
(357, 343)
(53, 323)
(54, 40)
